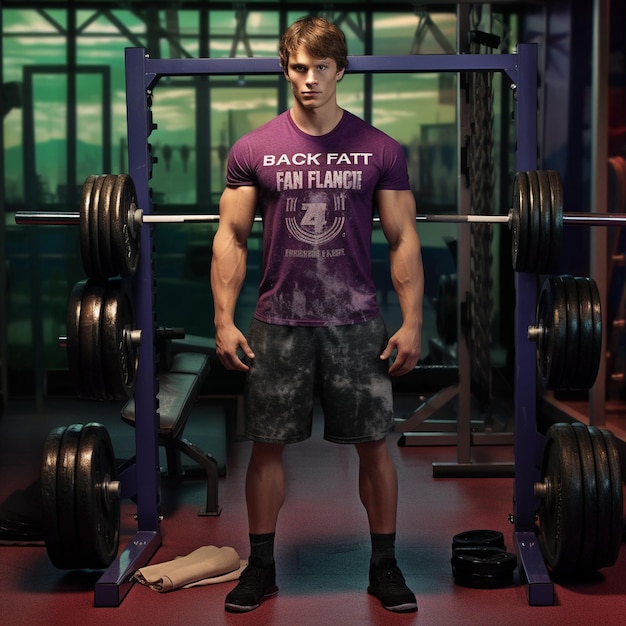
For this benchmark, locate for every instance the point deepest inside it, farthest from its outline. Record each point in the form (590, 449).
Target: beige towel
(205, 566)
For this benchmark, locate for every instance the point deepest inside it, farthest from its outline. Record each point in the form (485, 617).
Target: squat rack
(142, 480)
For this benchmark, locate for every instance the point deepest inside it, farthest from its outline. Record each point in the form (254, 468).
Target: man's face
(313, 81)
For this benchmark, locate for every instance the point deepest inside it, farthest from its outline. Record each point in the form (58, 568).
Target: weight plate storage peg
(568, 332)
(80, 497)
(580, 521)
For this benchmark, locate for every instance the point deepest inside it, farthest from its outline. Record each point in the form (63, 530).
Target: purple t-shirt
(316, 196)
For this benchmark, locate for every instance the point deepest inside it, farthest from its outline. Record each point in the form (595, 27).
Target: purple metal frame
(142, 74)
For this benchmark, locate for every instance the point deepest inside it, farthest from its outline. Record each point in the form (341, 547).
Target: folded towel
(205, 566)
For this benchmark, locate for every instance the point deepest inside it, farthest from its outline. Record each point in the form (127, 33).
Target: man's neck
(316, 122)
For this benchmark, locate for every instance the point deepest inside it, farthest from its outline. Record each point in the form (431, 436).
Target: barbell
(110, 222)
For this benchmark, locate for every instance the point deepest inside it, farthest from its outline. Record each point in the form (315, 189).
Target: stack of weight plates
(480, 560)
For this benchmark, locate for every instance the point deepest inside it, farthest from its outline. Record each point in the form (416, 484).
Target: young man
(316, 172)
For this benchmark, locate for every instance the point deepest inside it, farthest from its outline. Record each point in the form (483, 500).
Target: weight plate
(590, 505)
(596, 310)
(48, 480)
(483, 566)
(105, 256)
(545, 227)
(520, 224)
(73, 340)
(85, 243)
(572, 342)
(585, 346)
(119, 355)
(560, 509)
(552, 320)
(614, 512)
(94, 238)
(90, 339)
(605, 495)
(97, 510)
(534, 221)
(66, 510)
(556, 225)
(125, 233)
(480, 537)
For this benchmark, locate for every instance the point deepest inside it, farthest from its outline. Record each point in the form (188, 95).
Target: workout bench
(179, 387)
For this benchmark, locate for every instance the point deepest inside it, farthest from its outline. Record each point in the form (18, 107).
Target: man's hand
(407, 344)
(228, 341)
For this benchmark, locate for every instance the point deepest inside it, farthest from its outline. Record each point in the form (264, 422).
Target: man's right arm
(228, 271)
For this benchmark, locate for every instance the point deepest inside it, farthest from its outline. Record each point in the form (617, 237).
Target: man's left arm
(397, 218)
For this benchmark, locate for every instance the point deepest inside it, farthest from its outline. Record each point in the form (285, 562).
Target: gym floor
(322, 546)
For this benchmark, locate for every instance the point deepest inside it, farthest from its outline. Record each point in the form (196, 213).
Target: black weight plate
(97, 512)
(614, 514)
(560, 510)
(85, 242)
(90, 337)
(520, 223)
(119, 355)
(48, 481)
(545, 226)
(66, 486)
(605, 495)
(534, 220)
(590, 505)
(479, 537)
(572, 342)
(104, 228)
(483, 581)
(486, 560)
(586, 329)
(552, 319)
(125, 234)
(556, 226)
(94, 238)
(73, 337)
(596, 354)
(483, 566)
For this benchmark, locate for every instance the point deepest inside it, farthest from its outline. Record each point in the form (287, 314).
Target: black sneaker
(256, 583)
(388, 585)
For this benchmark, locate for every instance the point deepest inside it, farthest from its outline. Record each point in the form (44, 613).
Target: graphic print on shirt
(318, 220)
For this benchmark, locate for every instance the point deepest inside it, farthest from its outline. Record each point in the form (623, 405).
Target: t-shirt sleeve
(239, 170)
(395, 175)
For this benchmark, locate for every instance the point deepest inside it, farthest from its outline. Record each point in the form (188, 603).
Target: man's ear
(340, 74)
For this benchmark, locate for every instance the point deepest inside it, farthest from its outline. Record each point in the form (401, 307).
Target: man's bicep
(396, 209)
(238, 208)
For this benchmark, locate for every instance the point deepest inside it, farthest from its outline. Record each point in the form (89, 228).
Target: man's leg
(378, 485)
(265, 487)
(378, 489)
(265, 494)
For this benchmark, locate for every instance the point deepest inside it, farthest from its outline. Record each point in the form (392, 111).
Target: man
(316, 172)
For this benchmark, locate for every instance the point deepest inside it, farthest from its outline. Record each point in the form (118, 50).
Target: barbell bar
(110, 222)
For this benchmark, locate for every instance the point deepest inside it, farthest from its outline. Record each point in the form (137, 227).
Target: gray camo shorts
(340, 364)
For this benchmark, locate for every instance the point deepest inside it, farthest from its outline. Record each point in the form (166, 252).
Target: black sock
(262, 546)
(383, 546)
